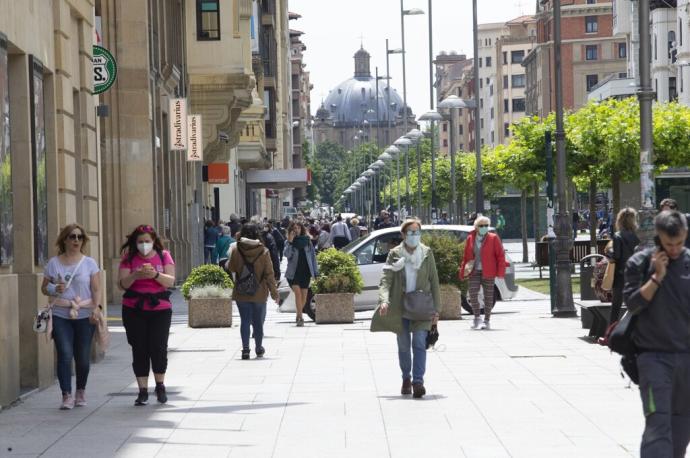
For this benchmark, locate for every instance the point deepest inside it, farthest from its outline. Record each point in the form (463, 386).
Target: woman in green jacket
(410, 267)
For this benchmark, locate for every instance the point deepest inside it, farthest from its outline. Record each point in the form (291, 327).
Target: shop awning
(277, 179)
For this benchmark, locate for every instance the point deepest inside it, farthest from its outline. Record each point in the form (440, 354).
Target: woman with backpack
(251, 264)
(625, 242)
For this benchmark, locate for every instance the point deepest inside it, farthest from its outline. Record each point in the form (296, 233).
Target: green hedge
(448, 253)
(206, 274)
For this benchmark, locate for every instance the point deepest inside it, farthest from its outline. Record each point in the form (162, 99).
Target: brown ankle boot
(419, 390)
(406, 387)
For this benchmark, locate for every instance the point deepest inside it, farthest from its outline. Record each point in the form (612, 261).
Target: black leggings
(147, 334)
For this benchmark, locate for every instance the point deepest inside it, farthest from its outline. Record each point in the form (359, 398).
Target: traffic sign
(104, 69)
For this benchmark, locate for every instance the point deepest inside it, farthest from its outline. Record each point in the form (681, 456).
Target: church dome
(356, 99)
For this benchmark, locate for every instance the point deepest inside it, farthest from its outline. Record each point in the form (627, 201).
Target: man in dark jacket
(270, 243)
(657, 290)
(278, 237)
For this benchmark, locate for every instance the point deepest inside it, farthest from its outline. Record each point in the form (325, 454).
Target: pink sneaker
(80, 398)
(67, 402)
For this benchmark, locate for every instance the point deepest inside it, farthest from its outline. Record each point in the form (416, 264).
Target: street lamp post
(388, 87)
(395, 152)
(564, 299)
(479, 194)
(646, 95)
(415, 137)
(403, 13)
(404, 142)
(432, 116)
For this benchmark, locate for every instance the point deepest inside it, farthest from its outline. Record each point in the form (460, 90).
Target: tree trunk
(523, 225)
(616, 191)
(592, 214)
(535, 212)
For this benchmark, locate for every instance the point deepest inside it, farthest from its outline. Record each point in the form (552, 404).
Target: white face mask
(145, 248)
(413, 240)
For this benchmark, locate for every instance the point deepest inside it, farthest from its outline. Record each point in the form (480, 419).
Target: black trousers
(147, 334)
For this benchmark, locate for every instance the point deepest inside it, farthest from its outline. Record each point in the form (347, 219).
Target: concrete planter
(451, 308)
(212, 312)
(335, 308)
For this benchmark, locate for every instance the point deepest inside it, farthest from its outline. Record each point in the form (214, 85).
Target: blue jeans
(72, 341)
(254, 314)
(418, 344)
(665, 392)
(208, 254)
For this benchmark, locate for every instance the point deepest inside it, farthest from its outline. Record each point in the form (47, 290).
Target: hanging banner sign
(195, 148)
(177, 111)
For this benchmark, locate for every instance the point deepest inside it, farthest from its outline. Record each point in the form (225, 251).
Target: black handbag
(418, 306)
(432, 336)
(620, 335)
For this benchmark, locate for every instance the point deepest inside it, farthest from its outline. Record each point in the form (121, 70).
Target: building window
(672, 50)
(487, 81)
(481, 83)
(5, 162)
(480, 62)
(591, 24)
(491, 89)
(518, 105)
(208, 20)
(492, 112)
(623, 75)
(505, 81)
(672, 90)
(505, 105)
(481, 123)
(516, 57)
(445, 142)
(481, 103)
(445, 127)
(656, 55)
(506, 129)
(622, 50)
(517, 81)
(505, 57)
(592, 80)
(38, 150)
(591, 2)
(460, 129)
(680, 32)
(492, 137)
(488, 61)
(591, 52)
(461, 147)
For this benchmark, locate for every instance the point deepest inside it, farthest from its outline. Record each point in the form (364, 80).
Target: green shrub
(206, 274)
(448, 253)
(338, 273)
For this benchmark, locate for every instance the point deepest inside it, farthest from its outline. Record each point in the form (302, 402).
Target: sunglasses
(76, 237)
(482, 225)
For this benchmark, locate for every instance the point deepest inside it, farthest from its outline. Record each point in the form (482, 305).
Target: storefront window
(38, 146)
(5, 162)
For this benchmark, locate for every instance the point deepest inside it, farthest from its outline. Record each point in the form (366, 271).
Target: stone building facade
(49, 166)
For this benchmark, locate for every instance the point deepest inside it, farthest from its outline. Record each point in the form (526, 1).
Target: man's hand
(435, 318)
(383, 309)
(660, 261)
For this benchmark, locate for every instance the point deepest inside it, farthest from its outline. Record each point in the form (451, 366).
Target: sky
(333, 30)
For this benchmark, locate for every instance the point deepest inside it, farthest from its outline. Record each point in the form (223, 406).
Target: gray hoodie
(663, 323)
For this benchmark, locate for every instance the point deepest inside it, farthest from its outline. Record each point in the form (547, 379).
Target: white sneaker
(67, 402)
(477, 325)
(486, 326)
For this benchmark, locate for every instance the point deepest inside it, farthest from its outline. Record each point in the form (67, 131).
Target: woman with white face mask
(483, 261)
(410, 268)
(147, 271)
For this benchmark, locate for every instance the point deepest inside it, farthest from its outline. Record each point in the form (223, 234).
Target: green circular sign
(104, 69)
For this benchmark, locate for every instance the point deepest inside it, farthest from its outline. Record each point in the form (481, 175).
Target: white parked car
(371, 252)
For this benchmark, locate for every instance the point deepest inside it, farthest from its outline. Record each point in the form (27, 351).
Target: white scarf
(415, 259)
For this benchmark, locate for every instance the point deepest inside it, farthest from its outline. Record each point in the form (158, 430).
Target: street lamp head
(414, 135)
(356, 185)
(347, 191)
(385, 157)
(392, 150)
(369, 172)
(432, 115)
(395, 51)
(402, 141)
(380, 163)
(355, 138)
(413, 12)
(453, 101)
(360, 132)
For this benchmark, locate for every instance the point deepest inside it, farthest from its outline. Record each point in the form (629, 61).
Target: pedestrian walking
(355, 230)
(324, 240)
(500, 222)
(251, 257)
(625, 244)
(483, 261)
(210, 239)
(444, 218)
(671, 204)
(576, 223)
(340, 233)
(147, 271)
(410, 268)
(72, 281)
(235, 225)
(278, 237)
(301, 267)
(657, 292)
(222, 245)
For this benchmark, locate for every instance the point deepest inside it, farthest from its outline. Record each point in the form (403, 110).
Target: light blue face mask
(413, 240)
(483, 231)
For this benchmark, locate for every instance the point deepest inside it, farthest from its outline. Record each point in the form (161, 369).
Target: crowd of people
(654, 284)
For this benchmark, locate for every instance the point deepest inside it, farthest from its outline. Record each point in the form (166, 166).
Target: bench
(579, 250)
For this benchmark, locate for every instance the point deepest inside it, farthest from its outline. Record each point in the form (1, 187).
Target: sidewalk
(529, 388)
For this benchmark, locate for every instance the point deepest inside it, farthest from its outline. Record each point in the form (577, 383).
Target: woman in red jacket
(484, 260)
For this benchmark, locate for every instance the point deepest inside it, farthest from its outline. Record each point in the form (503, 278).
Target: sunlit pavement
(529, 388)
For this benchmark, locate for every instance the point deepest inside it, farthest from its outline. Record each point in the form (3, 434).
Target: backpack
(246, 283)
(598, 279)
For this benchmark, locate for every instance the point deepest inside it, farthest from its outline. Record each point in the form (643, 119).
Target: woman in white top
(72, 281)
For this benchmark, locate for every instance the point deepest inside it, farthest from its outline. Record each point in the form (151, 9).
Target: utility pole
(432, 212)
(479, 193)
(564, 306)
(646, 95)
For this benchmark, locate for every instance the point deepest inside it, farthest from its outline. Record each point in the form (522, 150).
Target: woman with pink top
(146, 273)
